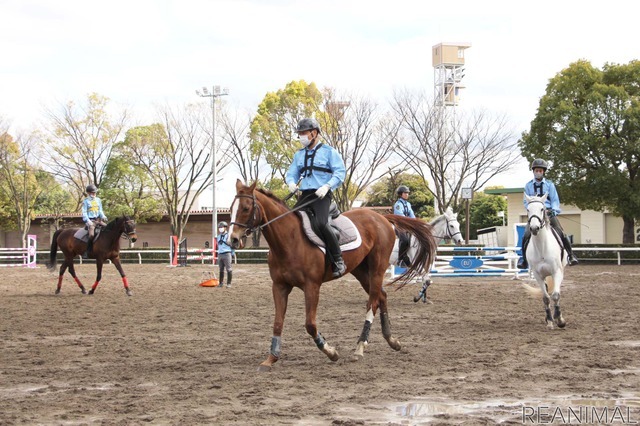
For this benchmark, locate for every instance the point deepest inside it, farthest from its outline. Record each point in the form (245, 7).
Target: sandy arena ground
(177, 353)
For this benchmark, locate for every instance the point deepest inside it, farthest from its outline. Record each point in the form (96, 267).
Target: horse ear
(526, 197)
(253, 186)
(239, 185)
(544, 197)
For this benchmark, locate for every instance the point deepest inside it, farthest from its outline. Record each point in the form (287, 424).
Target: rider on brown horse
(319, 169)
(92, 214)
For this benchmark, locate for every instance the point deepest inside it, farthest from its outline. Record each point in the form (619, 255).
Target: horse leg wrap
(557, 313)
(275, 346)
(93, 287)
(320, 342)
(125, 282)
(364, 336)
(386, 325)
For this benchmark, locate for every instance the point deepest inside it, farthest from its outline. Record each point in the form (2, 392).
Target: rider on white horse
(402, 207)
(537, 187)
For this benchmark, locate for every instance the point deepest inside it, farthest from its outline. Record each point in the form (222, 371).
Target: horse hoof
(83, 291)
(57, 291)
(549, 325)
(264, 368)
(394, 343)
(128, 292)
(561, 324)
(356, 357)
(90, 292)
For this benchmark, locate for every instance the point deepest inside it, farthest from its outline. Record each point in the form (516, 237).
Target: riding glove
(322, 191)
(293, 187)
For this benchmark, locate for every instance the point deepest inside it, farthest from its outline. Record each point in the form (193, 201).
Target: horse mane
(273, 197)
(112, 225)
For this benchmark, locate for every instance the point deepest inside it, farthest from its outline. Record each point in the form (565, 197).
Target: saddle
(82, 234)
(348, 235)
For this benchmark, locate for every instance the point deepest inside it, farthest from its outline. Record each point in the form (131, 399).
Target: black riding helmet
(308, 124)
(539, 163)
(91, 188)
(402, 189)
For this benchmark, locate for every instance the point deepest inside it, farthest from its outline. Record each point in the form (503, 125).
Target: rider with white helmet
(538, 186)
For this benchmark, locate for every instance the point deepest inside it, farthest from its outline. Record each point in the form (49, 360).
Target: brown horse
(106, 247)
(296, 262)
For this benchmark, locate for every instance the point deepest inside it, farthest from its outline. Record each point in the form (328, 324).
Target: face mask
(221, 230)
(538, 175)
(304, 140)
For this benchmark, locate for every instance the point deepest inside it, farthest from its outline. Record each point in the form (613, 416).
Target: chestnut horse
(294, 261)
(106, 247)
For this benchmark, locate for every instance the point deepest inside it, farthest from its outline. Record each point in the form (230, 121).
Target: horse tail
(535, 291)
(51, 264)
(422, 232)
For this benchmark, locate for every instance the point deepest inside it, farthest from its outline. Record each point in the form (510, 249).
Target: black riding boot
(403, 251)
(571, 258)
(221, 280)
(89, 249)
(228, 279)
(522, 263)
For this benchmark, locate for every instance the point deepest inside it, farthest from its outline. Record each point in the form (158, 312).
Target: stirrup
(522, 264)
(339, 269)
(573, 260)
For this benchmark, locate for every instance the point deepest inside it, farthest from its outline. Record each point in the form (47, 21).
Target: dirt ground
(177, 353)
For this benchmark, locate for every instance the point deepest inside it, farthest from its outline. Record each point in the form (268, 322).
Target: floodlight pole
(215, 93)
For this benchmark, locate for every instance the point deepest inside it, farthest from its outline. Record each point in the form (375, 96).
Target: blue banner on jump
(466, 263)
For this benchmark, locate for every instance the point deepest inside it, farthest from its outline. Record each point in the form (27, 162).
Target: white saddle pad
(350, 238)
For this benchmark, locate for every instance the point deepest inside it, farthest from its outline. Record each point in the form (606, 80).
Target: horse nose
(235, 243)
(134, 238)
(534, 229)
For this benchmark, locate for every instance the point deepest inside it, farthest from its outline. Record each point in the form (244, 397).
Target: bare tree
(176, 153)
(80, 139)
(452, 150)
(246, 156)
(364, 137)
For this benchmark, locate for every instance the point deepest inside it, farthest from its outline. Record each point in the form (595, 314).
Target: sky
(141, 53)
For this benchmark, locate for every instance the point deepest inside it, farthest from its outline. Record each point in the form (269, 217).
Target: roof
(504, 191)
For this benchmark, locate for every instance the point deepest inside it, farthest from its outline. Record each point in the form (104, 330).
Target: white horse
(546, 259)
(445, 227)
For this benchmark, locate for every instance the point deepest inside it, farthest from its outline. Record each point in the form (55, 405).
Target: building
(585, 226)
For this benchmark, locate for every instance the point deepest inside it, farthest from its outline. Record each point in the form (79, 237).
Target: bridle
(129, 229)
(449, 235)
(542, 220)
(250, 226)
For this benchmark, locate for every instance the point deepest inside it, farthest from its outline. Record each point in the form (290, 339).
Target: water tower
(448, 62)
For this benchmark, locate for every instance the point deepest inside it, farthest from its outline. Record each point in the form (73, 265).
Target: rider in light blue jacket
(538, 186)
(320, 170)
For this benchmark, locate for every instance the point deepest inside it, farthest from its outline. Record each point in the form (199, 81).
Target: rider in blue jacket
(92, 214)
(319, 169)
(402, 207)
(538, 186)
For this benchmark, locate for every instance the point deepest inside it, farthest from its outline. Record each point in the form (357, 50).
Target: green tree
(588, 127)
(19, 180)
(383, 193)
(55, 201)
(127, 189)
(483, 212)
(273, 127)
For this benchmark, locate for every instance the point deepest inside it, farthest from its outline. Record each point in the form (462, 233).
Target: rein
(250, 227)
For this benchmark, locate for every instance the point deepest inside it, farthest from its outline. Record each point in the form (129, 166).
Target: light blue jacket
(403, 208)
(553, 200)
(328, 168)
(223, 246)
(92, 209)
